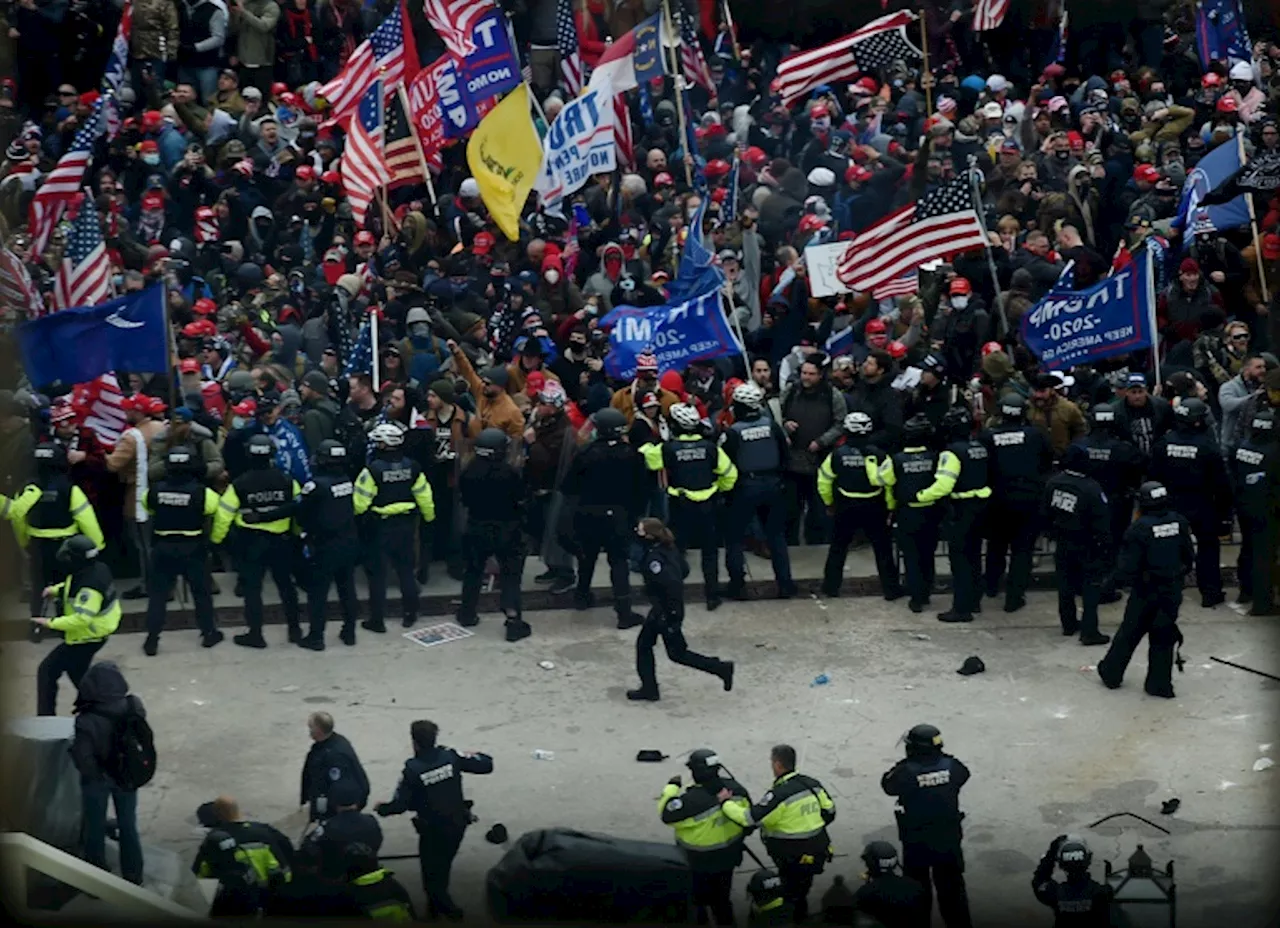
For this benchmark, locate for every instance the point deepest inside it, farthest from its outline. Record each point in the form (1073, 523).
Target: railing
(20, 852)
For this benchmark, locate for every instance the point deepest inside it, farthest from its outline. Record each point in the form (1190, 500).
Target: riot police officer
(49, 510)
(712, 841)
(1021, 457)
(325, 846)
(1117, 465)
(848, 482)
(179, 503)
(905, 475)
(493, 493)
(248, 859)
(389, 490)
(769, 908)
(697, 471)
(1255, 470)
(793, 817)
(1078, 518)
(603, 478)
(1079, 901)
(1187, 461)
(261, 546)
(372, 891)
(758, 448)
(962, 479)
(431, 788)
(927, 784)
(888, 897)
(327, 517)
(1155, 556)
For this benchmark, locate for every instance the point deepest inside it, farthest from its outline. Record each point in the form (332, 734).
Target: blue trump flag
(1221, 33)
(1218, 218)
(79, 344)
(698, 271)
(1116, 316)
(1210, 173)
(678, 333)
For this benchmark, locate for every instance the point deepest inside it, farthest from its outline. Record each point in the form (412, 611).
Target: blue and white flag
(698, 271)
(360, 358)
(677, 333)
(1220, 32)
(1210, 173)
(1113, 317)
(729, 208)
(1230, 215)
(839, 343)
(579, 144)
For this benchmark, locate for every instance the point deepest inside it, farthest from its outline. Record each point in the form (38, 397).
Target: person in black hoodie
(104, 699)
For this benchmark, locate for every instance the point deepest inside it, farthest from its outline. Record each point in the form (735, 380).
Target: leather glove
(675, 781)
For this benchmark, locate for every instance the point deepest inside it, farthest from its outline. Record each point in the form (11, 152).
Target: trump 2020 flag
(1210, 173)
(1221, 33)
(677, 333)
(76, 345)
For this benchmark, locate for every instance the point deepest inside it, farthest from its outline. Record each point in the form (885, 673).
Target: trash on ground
(497, 834)
(438, 634)
(971, 666)
(820, 680)
(546, 665)
(1170, 806)
(650, 756)
(291, 688)
(198, 702)
(1263, 763)
(540, 754)
(920, 636)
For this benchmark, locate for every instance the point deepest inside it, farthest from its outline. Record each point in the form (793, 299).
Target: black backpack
(131, 762)
(349, 432)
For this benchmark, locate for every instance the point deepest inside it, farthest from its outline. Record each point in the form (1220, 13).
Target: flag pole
(975, 181)
(1253, 226)
(733, 30)
(726, 306)
(926, 76)
(417, 142)
(1151, 315)
(373, 346)
(677, 71)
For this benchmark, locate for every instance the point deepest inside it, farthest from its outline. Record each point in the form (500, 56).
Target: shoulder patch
(308, 487)
(766, 798)
(335, 773)
(1104, 497)
(83, 597)
(675, 805)
(655, 567)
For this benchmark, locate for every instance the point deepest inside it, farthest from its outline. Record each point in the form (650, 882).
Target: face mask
(577, 348)
(151, 160)
(690, 212)
(552, 276)
(420, 330)
(1063, 155)
(821, 125)
(237, 422)
(959, 302)
(117, 281)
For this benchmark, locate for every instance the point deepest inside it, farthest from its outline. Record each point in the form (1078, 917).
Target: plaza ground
(1050, 749)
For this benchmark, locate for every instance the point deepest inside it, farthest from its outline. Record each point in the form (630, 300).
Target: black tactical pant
(917, 537)
(437, 847)
(332, 562)
(870, 517)
(712, 893)
(258, 553)
(1080, 573)
(391, 541)
(172, 558)
(672, 634)
(71, 659)
(1150, 611)
(762, 497)
(501, 540)
(1121, 509)
(797, 876)
(607, 529)
(963, 528)
(1256, 564)
(1012, 528)
(695, 525)
(940, 871)
(1204, 525)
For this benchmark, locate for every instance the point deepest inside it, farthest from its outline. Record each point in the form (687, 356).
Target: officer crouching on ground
(711, 840)
(325, 846)
(431, 788)
(887, 897)
(250, 860)
(1080, 901)
(769, 908)
(927, 784)
(372, 891)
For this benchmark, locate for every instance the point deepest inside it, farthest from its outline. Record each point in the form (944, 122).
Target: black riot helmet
(1075, 458)
(764, 887)
(1262, 426)
(76, 552)
(881, 858)
(1074, 855)
(917, 430)
(1013, 407)
(1192, 414)
(491, 444)
(182, 461)
(50, 458)
(261, 450)
(704, 764)
(923, 739)
(330, 456)
(958, 423)
(1153, 497)
(610, 424)
(1102, 418)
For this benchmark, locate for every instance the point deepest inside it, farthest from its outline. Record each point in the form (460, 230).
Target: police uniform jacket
(963, 472)
(604, 475)
(1254, 466)
(393, 485)
(1021, 456)
(1158, 550)
(492, 491)
(329, 840)
(327, 762)
(431, 787)
(928, 792)
(51, 508)
(1077, 512)
(906, 474)
(1190, 466)
(757, 447)
(1077, 902)
(244, 856)
(664, 572)
(258, 491)
(1116, 464)
(90, 607)
(793, 817)
(178, 507)
(892, 900)
(712, 840)
(697, 469)
(849, 475)
(379, 895)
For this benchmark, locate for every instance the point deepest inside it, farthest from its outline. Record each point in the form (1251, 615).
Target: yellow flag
(505, 155)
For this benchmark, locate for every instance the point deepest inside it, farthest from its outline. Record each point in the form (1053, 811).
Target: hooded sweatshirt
(103, 699)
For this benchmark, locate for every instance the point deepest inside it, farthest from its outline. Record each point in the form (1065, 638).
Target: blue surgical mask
(151, 160)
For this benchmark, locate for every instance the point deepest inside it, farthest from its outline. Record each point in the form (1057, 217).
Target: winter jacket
(200, 439)
(122, 461)
(498, 412)
(624, 401)
(103, 698)
(155, 29)
(1062, 420)
(1232, 397)
(254, 23)
(819, 414)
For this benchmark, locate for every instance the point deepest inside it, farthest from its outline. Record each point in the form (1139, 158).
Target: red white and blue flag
(64, 182)
(113, 76)
(389, 55)
(84, 276)
(454, 21)
(989, 14)
(364, 163)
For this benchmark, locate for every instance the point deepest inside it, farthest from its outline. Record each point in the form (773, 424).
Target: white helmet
(387, 434)
(685, 416)
(748, 395)
(857, 423)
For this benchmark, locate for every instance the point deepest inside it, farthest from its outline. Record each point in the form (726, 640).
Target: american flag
(364, 165)
(692, 60)
(904, 285)
(622, 131)
(84, 276)
(18, 292)
(877, 44)
(454, 21)
(937, 226)
(388, 55)
(989, 14)
(113, 76)
(63, 183)
(403, 163)
(360, 358)
(567, 41)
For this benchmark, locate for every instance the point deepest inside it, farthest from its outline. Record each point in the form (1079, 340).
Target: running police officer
(493, 493)
(390, 489)
(966, 493)
(848, 482)
(603, 478)
(887, 897)
(1078, 518)
(1155, 556)
(758, 448)
(711, 840)
(1079, 901)
(431, 788)
(325, 846)
(48, 511)
(179, 503)
(1021, 457)
(90, 612)
(1186, 459)
(1117, 465)
(793, 817)
(1255, 469)
(927, 784)
(905, 475)
(697, 472)
(261, 546)
(248, 859)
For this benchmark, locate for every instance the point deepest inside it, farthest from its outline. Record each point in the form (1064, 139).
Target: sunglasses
(1239, 338)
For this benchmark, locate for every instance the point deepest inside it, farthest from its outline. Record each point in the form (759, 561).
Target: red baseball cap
(305, 172)
(1146, 173)
(875, 327)
(364, 237)
(148, 147)
(1228, 104)
(155, 406)
(482, 244)
(152, 120)
(204, 307)
(189, 366)
(856, 172)
(664, 180)
(961, 285)
(896, 350)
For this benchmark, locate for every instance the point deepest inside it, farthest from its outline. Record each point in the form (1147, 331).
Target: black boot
(737, 590)
(726, 674)
(643, 695)
(629, 619)
(713, 598)
(348, 635)
(583, 600)
(295, 633)
(251, 639)
(517, 628)
(213, 638)
(371, 626)
(151, 645)
(311, 643)
(408, 621)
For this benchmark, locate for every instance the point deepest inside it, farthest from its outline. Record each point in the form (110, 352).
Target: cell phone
(581, 215)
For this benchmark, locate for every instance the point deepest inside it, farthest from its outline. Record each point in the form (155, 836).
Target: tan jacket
(122, 461)
(499, 412)
(1064, 423)
(624, 401)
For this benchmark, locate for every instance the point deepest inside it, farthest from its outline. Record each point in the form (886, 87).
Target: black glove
(383, 809)
(1055, 844)
(675, 781)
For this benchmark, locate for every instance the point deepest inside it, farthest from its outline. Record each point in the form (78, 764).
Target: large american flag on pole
(692, 59)
(63, 183)
(454, 21)
(571, 68)
(989, 14)
(84, 276)
(364, 166)
(388, 55)
(877, 44)
(400, 144)
(937, 226)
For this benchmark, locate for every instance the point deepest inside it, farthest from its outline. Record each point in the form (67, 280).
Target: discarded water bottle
(820, 680)
(540, 754)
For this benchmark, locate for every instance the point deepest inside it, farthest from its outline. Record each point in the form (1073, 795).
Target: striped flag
(454, 21)
(692, 60)
(63, 183)
(622, 132)
(401, 146)
(989, 14)
(84, 276)
(19, 295)
(571, 67)
(113, 77)
(100, 409)
(904, 285)
(364, 165)
(876, 45)
(360, 358)
(388, 55)
(939, 225)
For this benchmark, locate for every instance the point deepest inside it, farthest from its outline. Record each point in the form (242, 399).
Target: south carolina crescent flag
(505, 155)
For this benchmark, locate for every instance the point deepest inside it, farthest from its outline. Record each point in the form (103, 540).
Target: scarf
(298, 23)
